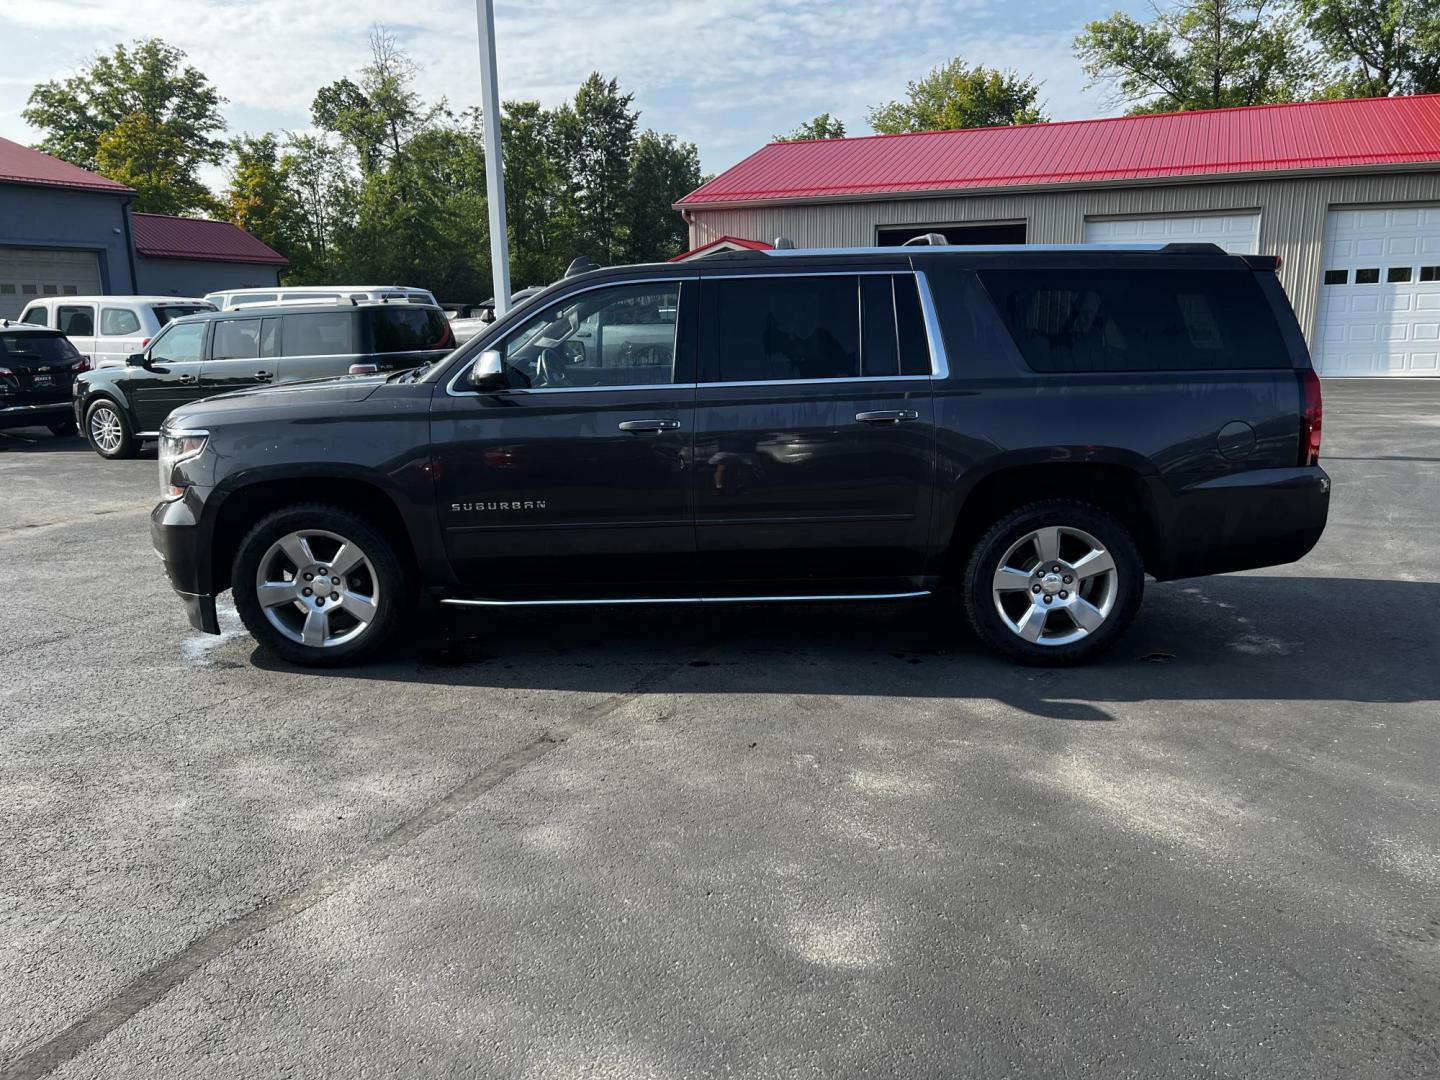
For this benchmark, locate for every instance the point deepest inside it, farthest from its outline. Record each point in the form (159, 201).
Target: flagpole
(494, 164)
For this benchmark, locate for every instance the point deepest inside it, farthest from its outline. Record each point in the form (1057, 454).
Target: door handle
(263, 376)
(649, 427)
(887, 416)
(187, 378)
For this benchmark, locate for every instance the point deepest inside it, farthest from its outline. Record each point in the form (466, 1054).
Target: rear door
(243, 354)
(404, 335)
(318, 344)
(814, 431)
(77, 322)
(121, 335)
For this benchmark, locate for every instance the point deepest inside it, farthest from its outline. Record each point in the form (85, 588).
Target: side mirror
(488, 374)
(136, 359)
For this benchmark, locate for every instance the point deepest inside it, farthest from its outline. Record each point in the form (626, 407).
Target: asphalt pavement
(802, 841)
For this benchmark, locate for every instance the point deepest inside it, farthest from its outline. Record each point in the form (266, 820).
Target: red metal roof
(738, 241)
(1258, 139)
(162, 237)
(21, 165)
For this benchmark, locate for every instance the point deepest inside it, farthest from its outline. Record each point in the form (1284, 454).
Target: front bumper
(1246, 520)
(174, 533)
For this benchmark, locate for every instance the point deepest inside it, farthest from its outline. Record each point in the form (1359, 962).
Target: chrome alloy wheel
(317, 588)
(1055, 585)
(105, 428)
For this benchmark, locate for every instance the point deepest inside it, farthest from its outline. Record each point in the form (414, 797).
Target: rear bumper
(174, 535)
(46, 412)
(1246, 520)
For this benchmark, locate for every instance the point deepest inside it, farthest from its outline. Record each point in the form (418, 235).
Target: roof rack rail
(1193, 249)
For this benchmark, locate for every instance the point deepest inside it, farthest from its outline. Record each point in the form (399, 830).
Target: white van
(107, 329)
(318, 294)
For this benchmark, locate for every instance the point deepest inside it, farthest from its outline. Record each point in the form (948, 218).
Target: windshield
(166, 312)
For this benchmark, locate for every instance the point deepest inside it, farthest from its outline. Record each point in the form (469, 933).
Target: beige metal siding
(1292, 216)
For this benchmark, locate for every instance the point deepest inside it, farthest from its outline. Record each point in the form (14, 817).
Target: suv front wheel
(1053, 583)
(109, 431)
(319, 586)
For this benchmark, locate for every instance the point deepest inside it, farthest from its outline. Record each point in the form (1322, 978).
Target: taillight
(145, 344)
(447, 339)
(83, 364)
(1310, 414)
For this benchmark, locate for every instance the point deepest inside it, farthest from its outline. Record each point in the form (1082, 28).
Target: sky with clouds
(724, 74)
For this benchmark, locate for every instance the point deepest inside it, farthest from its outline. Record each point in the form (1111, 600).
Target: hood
(298, 395)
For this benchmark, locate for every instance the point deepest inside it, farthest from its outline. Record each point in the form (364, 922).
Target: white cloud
(725, 74)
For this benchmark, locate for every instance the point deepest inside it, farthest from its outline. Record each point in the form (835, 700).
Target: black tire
(383, 579)
(63, 429)
(126, 444)
(995, 620)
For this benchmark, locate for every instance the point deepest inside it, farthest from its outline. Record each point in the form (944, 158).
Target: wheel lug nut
(334, 596)
(1055, 569)
(309, 577)
(307, 592)
(1066, 579)
(1034, 588)
(1048, 599)
(334, 581)
(1064, 595)
(320, 601)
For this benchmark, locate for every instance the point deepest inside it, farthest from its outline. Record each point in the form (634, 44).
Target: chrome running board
(688, 600)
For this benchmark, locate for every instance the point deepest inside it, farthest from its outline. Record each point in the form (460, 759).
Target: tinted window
(165, 312)
(36, 315)
(316, 296)
(623, 336)
(115, 322)
(235, 339)
(1151, 320)
(179, 344)
(910, 326)
(800, 327)
(76, 319)
(403, 329)
(1367, 276)
(252, 298)
(1337, 277)
(324, 333)
(43, 347)
(879, 350)
(270, 337)
(1398, 273)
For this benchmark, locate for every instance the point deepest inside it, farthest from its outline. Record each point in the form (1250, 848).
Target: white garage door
(1238, 234)
(1380, 293)
(26, 273)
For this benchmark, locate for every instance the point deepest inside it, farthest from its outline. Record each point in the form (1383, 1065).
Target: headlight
(175, 447)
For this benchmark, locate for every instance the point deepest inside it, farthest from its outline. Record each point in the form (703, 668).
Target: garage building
(1347, 193)
(68, 232)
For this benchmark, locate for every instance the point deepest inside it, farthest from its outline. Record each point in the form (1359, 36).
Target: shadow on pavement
(1240, 637)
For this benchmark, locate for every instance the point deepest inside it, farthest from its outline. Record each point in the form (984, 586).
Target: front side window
(1085, 319)
(179, 344)
(621, 336)
(322, 333)
(117, 322)
(236, 339)
(36, 315)
(75, 320)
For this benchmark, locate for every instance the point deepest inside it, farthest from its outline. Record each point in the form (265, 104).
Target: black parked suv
(1040, 426)
(215, 352)
(37, 367)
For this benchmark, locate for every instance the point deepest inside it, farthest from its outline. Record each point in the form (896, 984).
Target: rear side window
(75, 319)
(407, 329)
(116, 322)
(800, 327)
(324, 333)
(1137, 320)
(235, 339)
(37, 314)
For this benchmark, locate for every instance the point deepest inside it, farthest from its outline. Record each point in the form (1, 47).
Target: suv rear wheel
(1053, 582)
(318, 586)
(109, 432)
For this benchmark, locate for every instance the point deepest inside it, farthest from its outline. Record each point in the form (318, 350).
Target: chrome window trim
(460, 602)
(821, 382)
(939, 359)
(809, 273)
(470, 362)
(961, 249)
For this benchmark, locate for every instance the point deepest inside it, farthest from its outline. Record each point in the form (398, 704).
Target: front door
(170, 377)
(244, 354)
(575, 481)
(815, 439)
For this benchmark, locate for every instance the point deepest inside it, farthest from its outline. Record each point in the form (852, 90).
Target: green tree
(378, 116)
(823, 126)
(542, 223)
(141, 116)
(593, 139)
(662, 169)
(259, 197)
(1377, 47)
(1199, 54)
(956, 95)
(319, 176)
